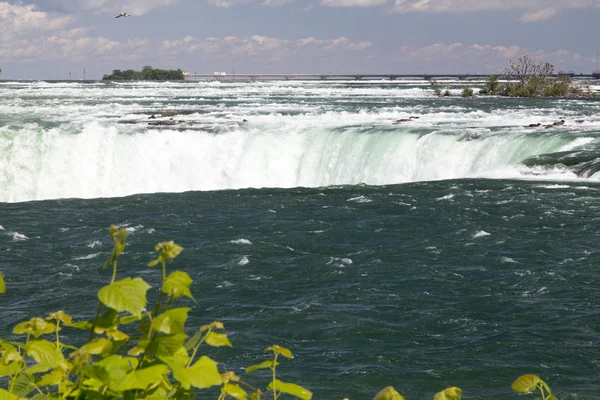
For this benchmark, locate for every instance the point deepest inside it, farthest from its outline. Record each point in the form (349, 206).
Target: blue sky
(45, 39)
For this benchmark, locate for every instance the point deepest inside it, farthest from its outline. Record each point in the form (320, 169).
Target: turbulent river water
(460, 248)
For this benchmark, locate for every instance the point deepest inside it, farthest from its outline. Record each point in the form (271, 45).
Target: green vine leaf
(23, 385)
(10, 369)
(125, 295)
(276, 349)
(235, 391)
(60, 316)
(52, 379)
(2, 284)
(389, 393)
(452, 393)
(526, 383)
(290, 388)
(4, 395)
(168, 251)
(35, 326)
(96, 347)
(171, 321)
(143, 378)
(44, 353)
(264, 365)
(178, 285)
(110, 371)
(168, 348)
(119, 236)
(203, 374)
(217, 339)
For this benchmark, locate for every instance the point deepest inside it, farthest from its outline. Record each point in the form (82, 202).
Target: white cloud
(539, 15)
(24, 20)
(133, 7)
(536, 10)
(353, 3)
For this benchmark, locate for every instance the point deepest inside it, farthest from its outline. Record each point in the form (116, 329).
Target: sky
(48, 39)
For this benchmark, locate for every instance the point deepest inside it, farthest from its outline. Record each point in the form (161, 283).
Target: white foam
(88, 257)
(481, 234)
(360, 199)
(243, 261)
(241, 241)
(94, 244)
(17, 237)
(447, 197)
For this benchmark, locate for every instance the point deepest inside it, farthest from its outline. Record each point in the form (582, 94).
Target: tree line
(146, 74)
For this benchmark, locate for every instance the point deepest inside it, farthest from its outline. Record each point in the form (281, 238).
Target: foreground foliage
(146, 74)
(134, 353)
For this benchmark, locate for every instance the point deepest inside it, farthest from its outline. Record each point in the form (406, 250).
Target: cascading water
(311, 135)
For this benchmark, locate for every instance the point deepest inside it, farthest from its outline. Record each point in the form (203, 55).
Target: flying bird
(122, 15)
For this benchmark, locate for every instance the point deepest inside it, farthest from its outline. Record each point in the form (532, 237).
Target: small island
(146, 74)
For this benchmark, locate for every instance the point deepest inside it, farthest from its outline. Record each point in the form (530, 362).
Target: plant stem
(273, 369)
(57, 328)
(114, 275)
(260, 393)
(93, 328)
(197, 347)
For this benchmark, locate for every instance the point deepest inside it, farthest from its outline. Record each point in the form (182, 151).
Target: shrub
(491, 84)
(467, 92)
(438, 92)
(447, 93)
(557, 89)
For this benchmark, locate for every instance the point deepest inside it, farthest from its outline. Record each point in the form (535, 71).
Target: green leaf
(178, 285)
(263, 365)
(82, 325)
(452, 393)
(168, 348)
(125, 295)
(526, 383)
(35, 326)
(4, 395)
(171, 321)
(290, 388)
(203, 374)
(106, 321)
(389, 393)
(52, 379)
(60, 316)
(111, 370)
(10, 369)
(44, 352)
(128, 319)
(23, 385)
(95, 347)
(217, 339)
(235, 391)
(276, 349)
(2, 284)
(143, 378)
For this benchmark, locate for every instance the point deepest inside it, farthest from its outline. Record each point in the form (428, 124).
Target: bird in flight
(122, 15)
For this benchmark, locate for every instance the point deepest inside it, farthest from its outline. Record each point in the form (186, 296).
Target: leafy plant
(467, 92)
(130, 352)
(530, 383)
(447, 93)
(438, 92)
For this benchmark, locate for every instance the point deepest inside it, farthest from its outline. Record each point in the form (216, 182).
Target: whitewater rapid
(63, 140)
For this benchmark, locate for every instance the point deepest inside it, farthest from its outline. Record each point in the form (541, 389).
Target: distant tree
(146, 74)
(532, 77)
(467, 92)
